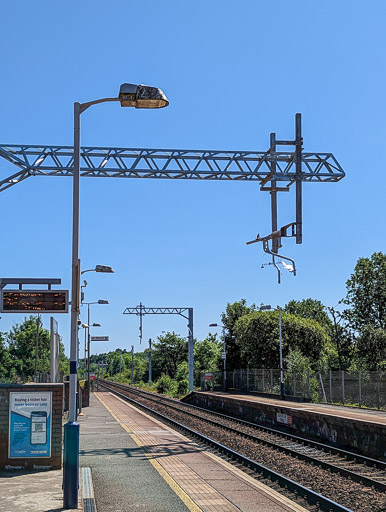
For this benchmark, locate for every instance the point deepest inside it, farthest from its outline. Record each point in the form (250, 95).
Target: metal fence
(360, 389)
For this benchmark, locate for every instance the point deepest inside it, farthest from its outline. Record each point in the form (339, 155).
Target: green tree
(371, 348)
(232, 313)
(366, 293)
(207, 356)
(5, 359)
(342, 339)
(22, 342)
(258, 337)
(309, 308)
(338, 354)
(168, 352)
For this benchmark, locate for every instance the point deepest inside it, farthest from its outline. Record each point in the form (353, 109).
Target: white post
(281, 359)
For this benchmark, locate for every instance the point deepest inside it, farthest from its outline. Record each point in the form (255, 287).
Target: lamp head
(102, 301)
(104, 268)
(142, 96)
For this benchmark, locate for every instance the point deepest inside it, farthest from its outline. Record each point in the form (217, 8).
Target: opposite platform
(360, 430)
(138, 463)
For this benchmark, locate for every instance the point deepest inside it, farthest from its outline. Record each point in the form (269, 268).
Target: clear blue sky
(233, 72)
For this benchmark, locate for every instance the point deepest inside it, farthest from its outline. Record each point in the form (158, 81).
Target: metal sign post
(54, 363)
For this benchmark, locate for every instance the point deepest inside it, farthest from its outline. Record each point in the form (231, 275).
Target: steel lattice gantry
(280, 168)
(187, 313)
(97, 162)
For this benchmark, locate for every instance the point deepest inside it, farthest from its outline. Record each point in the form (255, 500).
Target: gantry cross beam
(102, 162)
(280, 169)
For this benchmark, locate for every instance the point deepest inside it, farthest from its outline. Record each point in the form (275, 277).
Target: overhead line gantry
(275, 170)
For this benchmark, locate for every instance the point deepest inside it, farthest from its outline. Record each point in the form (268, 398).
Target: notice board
(30, 426)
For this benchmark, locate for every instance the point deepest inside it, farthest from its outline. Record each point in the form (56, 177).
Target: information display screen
(43, 301)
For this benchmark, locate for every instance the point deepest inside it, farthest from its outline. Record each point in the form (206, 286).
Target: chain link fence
(360, 389)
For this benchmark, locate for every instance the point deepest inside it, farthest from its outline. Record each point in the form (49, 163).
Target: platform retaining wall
(55, 461)
(353, 435)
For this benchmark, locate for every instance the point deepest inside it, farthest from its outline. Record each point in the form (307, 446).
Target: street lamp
(130, 95)
(100, 301)
(224, 355)
(86, 334)
(268, 307)
(99, 268)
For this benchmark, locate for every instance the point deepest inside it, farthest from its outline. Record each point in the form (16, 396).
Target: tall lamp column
(130, 95)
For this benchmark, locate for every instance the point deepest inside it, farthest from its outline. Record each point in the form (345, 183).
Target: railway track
(359, 468)
(310, 464)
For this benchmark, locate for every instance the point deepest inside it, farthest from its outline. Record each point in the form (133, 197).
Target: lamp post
(150, 362)
(132, 364)
(268, 307)
(224, 355)
(130, 95)
(86, 353)
(100, 301)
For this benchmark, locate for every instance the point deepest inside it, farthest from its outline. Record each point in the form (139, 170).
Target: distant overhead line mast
(187, 313)
(279, 169)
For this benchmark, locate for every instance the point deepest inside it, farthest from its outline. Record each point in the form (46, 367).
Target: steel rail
(312, 498)
(367, 481)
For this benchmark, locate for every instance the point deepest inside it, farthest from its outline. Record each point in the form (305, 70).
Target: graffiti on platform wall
(327, 433)
(286, 419)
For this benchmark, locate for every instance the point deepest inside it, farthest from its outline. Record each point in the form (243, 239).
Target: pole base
(71, 465)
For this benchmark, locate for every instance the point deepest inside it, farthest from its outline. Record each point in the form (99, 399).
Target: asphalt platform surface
(123, 477)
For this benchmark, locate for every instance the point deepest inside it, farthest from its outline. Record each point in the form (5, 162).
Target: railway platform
(361, 430)
(139, 463)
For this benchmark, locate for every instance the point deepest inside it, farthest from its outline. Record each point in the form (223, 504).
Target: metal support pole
(88, 350)
(342, 387)
(378, 391)
(37, 348)
(360, 388)
(281, 359)
(191, 347)
(111, 369)
(330, 387)
(132, 364)
(149, 362)
(71, 460)
(140, 323)
(225, 363)
(298, 167)
(99, 365)
(276, 242)
(85, 354)
(120, 367)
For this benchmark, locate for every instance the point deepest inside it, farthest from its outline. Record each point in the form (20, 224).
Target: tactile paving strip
(211, 483)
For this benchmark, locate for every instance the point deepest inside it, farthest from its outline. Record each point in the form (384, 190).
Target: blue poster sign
(30, 424)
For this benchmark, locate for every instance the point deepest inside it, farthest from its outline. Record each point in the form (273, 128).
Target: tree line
(350, 336)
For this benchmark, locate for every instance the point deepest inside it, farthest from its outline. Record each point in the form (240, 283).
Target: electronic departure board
(40, 301)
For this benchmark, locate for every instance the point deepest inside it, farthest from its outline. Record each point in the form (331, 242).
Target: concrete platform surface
(354, 413)
(35, 491)
(138, 463)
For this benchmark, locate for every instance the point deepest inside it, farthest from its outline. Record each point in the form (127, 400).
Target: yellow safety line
(238, 472)
(165, 475)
